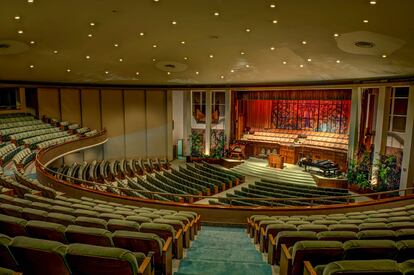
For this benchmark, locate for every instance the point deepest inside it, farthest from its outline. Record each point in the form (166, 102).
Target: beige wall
(136, 120)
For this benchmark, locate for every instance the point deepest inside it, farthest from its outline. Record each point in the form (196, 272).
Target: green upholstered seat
(114, 204)
(123, 213)
(174, 223)
(117, 224)
(138, 219)
(405, 250)
(11, 210)
(407, 267)
(344, 227)
(379, 215)
(405, 234)
(41, 206)
(289, 238)
(288, 218)
(62, 209)
(312, 227)
(399, 212)
(336, 217)
(188, 214)
(108, 216)
(163, 230)
(88, 235)
(351, 221)
(375, 220)
(383, 267)
(61, 218)
(81, 206)
(314, 217)
(409, 207)
(6, 199)
(85, 213)
(399, 219)
(39, 257)
(22, 202)
(177, 217)
(370, 249)
(325, 222)
(377, 235)
(90, 222)
(255, 218)
(103, 209)
(164, 212)
(83, 198)
(119, 208)
(139, 210)
(317, 252)
(91, 259)
(373, 226)
(400, 225)
(34, 214)
(387, 210)
(6, 271)
(12, 226)
(88, 203)
(296, 223)
(7, 260)
(150, 215)
(60, 203)
(46, 230)
(340, 236)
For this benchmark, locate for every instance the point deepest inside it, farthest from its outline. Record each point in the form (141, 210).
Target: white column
(227, 117)
(407, 171)
(354, 122)
(187, 105)
(207, 137)
(381, 127)
(169, 126)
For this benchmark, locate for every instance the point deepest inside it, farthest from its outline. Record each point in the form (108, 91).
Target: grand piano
(325, 167)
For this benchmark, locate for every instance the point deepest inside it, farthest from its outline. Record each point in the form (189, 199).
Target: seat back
(377, 235)
(6, 258)
(46, 230)
(34, 214)
(164, 231)
(91, 259)
(316, 252)
(117, 224)
(340, 236)
(90, 222)
(39, 257)
(88, 235)
(405, 250)
(12, 226)
(370, 249)
(63, 219)
(289, 238)
(383, 267)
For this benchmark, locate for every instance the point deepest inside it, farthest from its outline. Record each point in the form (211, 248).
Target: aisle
(223, 251)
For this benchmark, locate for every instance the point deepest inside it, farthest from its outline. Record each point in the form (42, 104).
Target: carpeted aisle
(223, 250)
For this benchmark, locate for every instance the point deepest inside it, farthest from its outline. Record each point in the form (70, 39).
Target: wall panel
(156, 123)
(91, 108)
(48, 102)
(70, 105)
(113, 120)
(135, 123)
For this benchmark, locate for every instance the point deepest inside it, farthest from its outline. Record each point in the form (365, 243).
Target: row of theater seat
(37, 131)
(25, 185)
(8, 118)
(39, 257)
(275, 232)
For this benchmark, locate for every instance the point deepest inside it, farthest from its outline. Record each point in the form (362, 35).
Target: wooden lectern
(276, 161)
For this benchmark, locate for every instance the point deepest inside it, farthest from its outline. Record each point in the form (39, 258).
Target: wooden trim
(146, 266)
(285, 261)
(178, 244)
(167, 257)
(308, 269)
(271, 250)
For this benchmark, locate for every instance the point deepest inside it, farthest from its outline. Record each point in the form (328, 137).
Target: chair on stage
(237, 151)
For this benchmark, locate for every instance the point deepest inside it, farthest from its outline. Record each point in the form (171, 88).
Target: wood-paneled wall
(136, 120)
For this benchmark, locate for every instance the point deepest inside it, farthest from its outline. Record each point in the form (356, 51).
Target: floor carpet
(223, 250)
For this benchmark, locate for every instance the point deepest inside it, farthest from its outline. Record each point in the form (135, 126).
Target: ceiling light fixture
(384, 56)
(222, 76)
(168, 73)
(248, 30)
(154, 59)
(154, 46)
(55, 51)
(32, 42)
(31, 66)
(92, 24)
(106, 72)
(216, 14)
(247, 66)
(272, 48)
(183, 42)
(242, 53)
(68, 70)
(301, 65)
(90, 35)
(232, 71)
(365, 21)
(121, 60)
(141, 34)
(30, 1)
(373, 2)
(197, 73)
(137, 73)
(20, 32)
(304, 42)
(185, 58)
(336, 34)
(211, 56)
(17, 17)
(87, 57)
(272, 6)
(309, 59)
(174, 22)
(338, 61)
(116, 45)
(284, 62)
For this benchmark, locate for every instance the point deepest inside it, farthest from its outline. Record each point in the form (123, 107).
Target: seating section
(286, 193)
(290, 241)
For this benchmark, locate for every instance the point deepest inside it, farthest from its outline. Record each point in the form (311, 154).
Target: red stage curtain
(258, 113)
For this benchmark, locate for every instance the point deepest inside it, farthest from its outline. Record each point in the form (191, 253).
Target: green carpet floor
(223, 250)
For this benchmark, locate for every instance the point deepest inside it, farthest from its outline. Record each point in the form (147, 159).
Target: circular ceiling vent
(12, 47)
(364, 44)
(171, 66)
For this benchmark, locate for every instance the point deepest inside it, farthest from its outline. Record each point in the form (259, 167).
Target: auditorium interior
(161, 137)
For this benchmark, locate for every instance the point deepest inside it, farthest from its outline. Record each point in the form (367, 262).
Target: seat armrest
(308, 269)
(285, 261)
(178, 244)
(146, 267)
(262, 239)
(178, 234)
(186, 239)
(167, 245)
(271, 250)
(167, 257)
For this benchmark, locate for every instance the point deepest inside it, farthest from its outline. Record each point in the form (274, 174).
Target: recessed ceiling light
(384, 56)
(373, 2)
(87, 57)
(272, 48)
(55, 51)
(31, 66)
(154, 46)
(185, 58)
(120, 60)
(309, 59)
(17, 17)
(174, 22)
(116, 45)
(92, 24)
(32, 42)
(336, 34)
(365, 21)
(90, 35)
(211, 56)
(216, 14)
(232, 71)
(106, 72)
(68, 70)
(168, 73)
(301, 65)
(197, 73)
(183, 42)
(221, 76)
(247, 66)
(274, 21)
(242, 53)
(272, 6)
(156, 0)
(338, 61)
(137, 73)
(284, 62)
(30, 1)
(248, 30)
(154, 59)
(141, 34)
(304, 42)
(19, 31)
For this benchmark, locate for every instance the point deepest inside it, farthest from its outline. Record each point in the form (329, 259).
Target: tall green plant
(388, 173)
(218, 140)
(196, 144)
(359, 172)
